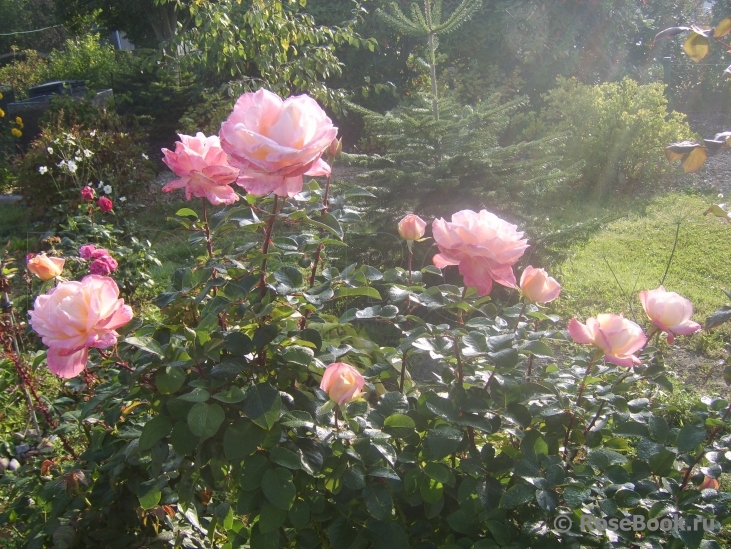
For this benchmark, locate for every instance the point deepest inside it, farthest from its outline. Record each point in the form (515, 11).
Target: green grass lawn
(606, 273)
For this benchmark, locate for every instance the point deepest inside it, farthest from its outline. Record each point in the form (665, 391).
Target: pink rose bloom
(669, 311)
(484, 246)
(45, 267)
(537, 286)
(411, 227)
(618, 337)
(75, 316)
(89, 251)
(105, 204)
(103, 266)
(87, 193)
(342, 382)
(204, 169)
(275, 142)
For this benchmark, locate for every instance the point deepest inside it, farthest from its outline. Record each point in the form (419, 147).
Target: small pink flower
(204, 169)
(276, 141)
(89, 251)
(45, 267)
(537, 286)
(103, 266)
(342, 382)
(75, 316)
(411, 227)
(484, 246)
(618, 337)
(669, 311)
(105, 204)
(87, 194)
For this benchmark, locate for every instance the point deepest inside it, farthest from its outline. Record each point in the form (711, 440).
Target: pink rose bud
(335, 148)
(105, 204)
(342, 382)
(669, 311)
(87, 194)
(203, 168)
(275, 142)
(411, 227)
(537, 286)
(75, 316)
(618, 337)
(484, 246)
(45, 267)
(103, 266)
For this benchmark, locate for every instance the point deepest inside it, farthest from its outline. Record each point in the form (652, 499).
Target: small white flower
(50, 150)
(122, 199)
(88, 153)
(42, 169)
(71, 165)
(107, 189)
(77, 158)
(92, 133)
(720, 195)
(145, 156)
(61, 164)
(100, 185)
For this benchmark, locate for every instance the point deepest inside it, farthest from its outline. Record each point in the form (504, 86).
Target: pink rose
(104, 265)
(537, 286)
(411, 227)
(618, 337)
(484, 246)
(45, 267)
(204, 169)
(275, 142)
(669, 311)
(105, 204)
(89, 251)
(342, 382)
(75, 316)
(87, 193)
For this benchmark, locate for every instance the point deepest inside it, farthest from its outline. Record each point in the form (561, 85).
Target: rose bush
(251, 408)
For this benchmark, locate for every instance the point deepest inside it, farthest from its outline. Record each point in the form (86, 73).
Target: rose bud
(45, 267)
(105, 204)
(335, 148)
(537, 286)
(411, 227)
(342, 382)
(87, 193)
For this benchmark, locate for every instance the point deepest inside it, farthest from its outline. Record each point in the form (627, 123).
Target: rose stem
(265, 248)
(403, 373)
(520, 315)
(578, 403)
(411, 256)
(209, 242)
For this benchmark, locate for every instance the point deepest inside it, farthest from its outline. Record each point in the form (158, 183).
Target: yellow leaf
(694, 160)
(696, 46)
(723, 28)
(716, 210)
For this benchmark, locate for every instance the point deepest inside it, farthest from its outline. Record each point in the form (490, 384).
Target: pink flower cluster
(266, 146)
(103, 263)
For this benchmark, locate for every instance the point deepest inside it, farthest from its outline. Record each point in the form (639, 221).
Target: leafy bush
(619, 131)
(11, 130)
(84, 58)
(24, 73)
(78, 145)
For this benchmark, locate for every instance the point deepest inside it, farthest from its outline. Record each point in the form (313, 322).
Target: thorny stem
(711, 437)
(578, 403)
(530, 367)
(411, 256)
(265, 247)
(460, 372)
(596, 416)
(207, 230)
(403, 373)
(520, 315)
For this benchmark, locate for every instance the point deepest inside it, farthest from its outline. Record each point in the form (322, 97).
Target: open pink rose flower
(618, 337)
(275, 142)
(537, 286)
(484, 246)
(669, 311)
(342, 382)
(75, 316)
(204, 169)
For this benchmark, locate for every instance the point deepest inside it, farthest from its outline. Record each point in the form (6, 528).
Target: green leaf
(366, 291)
(444, 440)
(690, 437)
(186, 212)
(196, 395)
(151, 498)
(547, 500)
(289, 277)
(262, 405)
(386, 535)
(271, 518)
(298, 355)
(627, 498)
(662, 463)
(463, 523)
(253, 472)
(439, 472)
(399, 420)
(184, 442)
(241, 439)
(155, 429)
(169, 380)
(378, 501)
(517, 495)
(659, 429)
(299, 514)
(431, 490)
(145, 343)
(574, 496)
(278, 487)
(285, 458)
(205, 419)
(232, 396)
